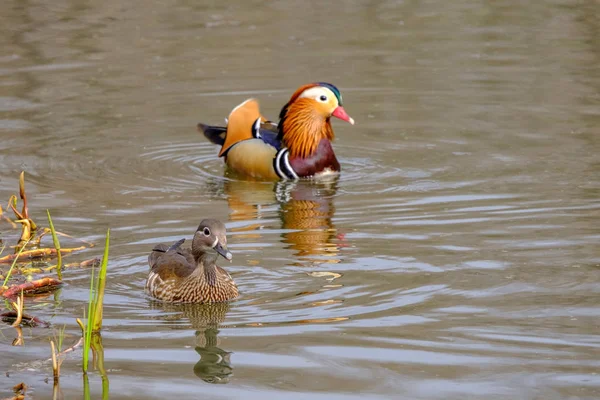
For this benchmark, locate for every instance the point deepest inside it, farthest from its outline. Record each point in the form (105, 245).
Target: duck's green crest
(335, 90)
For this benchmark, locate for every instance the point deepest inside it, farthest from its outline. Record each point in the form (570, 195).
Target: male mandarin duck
(192, 276)
(299, 146)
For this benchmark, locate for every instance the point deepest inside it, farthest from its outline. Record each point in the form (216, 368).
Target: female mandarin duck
(298, 147)
(182, 276)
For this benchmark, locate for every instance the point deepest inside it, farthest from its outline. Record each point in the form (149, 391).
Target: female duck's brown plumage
(299, 146)
(192, 276)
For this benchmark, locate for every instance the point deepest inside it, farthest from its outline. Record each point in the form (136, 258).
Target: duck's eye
(206, 232)
(323, 98)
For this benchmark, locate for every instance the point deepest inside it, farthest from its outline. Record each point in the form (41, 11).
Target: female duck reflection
(214, 365)
(305, 208)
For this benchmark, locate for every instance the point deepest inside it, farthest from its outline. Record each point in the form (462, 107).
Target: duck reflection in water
(305, 208)
(214, 365)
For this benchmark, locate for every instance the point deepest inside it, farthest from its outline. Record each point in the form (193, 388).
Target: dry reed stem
(19, 341)
(38, 253)
(18, 306)
(55, 362)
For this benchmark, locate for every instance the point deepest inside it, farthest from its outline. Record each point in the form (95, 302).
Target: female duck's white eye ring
(206, 231)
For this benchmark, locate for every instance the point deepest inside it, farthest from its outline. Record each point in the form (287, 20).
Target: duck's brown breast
(324, 158)
(194, 288)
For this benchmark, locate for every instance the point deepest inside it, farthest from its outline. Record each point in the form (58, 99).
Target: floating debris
(330, 275)
(326, 302)
(27, 320)
(91, 263)
(39, 286)
(20, 392)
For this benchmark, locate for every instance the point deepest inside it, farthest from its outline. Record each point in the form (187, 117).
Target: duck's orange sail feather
(239, 125)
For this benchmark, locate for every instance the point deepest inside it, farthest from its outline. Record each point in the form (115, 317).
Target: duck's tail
(216, 134)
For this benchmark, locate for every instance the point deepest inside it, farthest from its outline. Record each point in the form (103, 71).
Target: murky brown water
(456, 257)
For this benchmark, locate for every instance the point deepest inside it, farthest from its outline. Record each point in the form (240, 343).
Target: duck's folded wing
(176, 246)
(161, 249)
(172, 265)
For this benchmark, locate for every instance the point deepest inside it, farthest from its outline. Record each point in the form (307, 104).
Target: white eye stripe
(315, 93)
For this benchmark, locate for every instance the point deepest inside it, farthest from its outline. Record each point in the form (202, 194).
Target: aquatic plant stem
(101, 284)
(95, 304)
(23, 196)
(56, 246)
(86, 387)
(14, 263)
(98, 351)
(56, 391)
(61, 337)
(19, 341)
(55, 362)
(88, 329)
(18, 306)
(70, 349)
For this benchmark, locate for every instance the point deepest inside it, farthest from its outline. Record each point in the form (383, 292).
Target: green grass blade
(88, 330)
(99, 299)
(61, 337)
(56, 246)
(14, 262)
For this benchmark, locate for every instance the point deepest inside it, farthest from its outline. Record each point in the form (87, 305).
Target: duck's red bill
(340, 113)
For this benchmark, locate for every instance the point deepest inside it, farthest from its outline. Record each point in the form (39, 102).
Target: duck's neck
(206, 266)
(301, 129)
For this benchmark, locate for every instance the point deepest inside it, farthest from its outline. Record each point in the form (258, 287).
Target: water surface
(455, 258)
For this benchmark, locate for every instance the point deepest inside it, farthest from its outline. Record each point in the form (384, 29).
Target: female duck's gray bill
(223, 251)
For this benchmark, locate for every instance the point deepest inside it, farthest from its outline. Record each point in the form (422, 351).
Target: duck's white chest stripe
(256, 129)
(282, 165)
